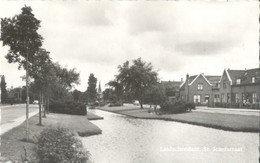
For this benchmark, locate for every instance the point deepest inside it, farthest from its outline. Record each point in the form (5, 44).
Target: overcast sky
(176, 37)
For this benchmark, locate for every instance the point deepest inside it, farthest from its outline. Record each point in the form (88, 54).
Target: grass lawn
(12, 144)
(228, 122)
(92, 116)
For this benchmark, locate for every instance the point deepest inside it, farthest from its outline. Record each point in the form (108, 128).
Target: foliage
(62, 81)
(108, 95)
(76, 95)
(117, 90)
(20, 34)
(191, 105)
(170, 91)
(227, 105)
(136, 78)
(66, 77)
(68, 107)
(117, 103)
(155, 95)
(176, 107)
(60, 146)
(92, 88)
(4, 95)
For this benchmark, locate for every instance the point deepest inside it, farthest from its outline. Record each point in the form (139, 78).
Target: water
(129, 140)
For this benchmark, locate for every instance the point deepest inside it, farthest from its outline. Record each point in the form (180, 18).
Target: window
(238, 81)
(254, 97)
(196, 98)
(243, 97)
(200, 86)
(224, 85)
(253, 79)
(237, 97)
(207, 98)
(228, 97)
(222, 97)
(216, 98)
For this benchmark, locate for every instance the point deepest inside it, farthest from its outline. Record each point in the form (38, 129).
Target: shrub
(191, 105)
(60, 146)
(174, 107)
(227, 105)
(256, 106)
(69, 107)
(118, 103)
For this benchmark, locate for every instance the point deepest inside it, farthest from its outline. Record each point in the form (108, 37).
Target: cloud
(177, 37)
(204, 48)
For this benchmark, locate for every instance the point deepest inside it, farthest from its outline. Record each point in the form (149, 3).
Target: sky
(176, 37)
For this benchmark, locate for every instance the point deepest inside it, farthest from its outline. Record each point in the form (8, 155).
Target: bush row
(176, 107)
(60, 146)
(236, 105)
(118, 103)
(11, 101)
(68, 107)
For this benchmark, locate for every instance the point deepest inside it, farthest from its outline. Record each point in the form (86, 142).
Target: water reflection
(126, 139)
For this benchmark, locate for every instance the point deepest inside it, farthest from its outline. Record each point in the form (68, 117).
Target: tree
(136, 78)
(3, 90)
(170, 91)
(117, 90)
(63, 80)
(92, 88)
(155, 95)
(40, 70)
(20, 34)
(108, 94)
(76, 95)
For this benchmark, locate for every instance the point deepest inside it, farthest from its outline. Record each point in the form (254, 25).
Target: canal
(129, 140)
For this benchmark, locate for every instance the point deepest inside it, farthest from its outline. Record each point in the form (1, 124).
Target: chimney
(187, 78)
(187, 87)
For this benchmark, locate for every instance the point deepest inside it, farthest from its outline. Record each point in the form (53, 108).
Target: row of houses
(234, 88)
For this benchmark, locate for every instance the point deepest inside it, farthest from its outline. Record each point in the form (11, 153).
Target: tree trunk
(44, 106)
(141, 103)
(40, 109)
(48, 105)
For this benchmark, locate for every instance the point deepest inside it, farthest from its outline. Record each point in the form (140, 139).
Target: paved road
(12, 116)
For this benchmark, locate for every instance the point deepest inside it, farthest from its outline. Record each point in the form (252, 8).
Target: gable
(225, 76)
(200, 78)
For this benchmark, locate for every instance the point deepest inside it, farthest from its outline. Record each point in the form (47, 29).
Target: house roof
(171, 84)
(198, 77)
(244, 75)
(235, 74)
(210, 79)
(213, 79)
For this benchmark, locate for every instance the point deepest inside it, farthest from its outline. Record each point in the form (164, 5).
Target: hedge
(114, 104)
(68, 107)
(176, 107)
(237, 105)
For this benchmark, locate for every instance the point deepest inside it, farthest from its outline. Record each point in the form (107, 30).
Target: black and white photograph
(129, 81)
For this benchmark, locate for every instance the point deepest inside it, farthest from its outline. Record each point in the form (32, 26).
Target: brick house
(199, 89)
(240, 87)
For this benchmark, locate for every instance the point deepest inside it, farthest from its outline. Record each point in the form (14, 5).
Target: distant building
(99, 93)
